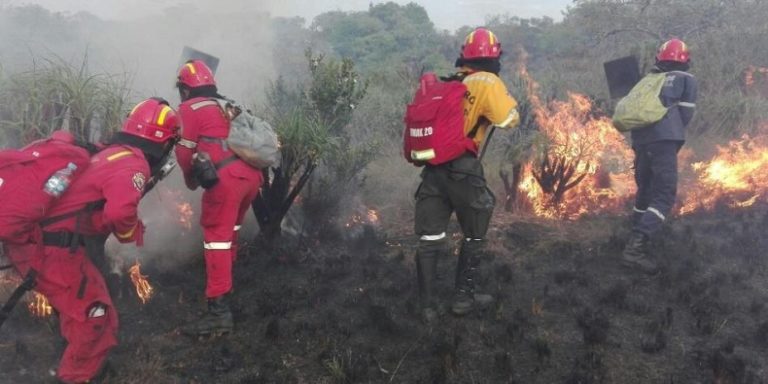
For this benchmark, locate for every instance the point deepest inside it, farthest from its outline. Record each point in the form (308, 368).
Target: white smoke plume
(147, 49)
(173, 237)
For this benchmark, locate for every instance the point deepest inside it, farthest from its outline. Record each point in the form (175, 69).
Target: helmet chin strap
(666, 66)
(184, 92)
(204, 91)
(156, 154)
(492, 65)
(157, 163)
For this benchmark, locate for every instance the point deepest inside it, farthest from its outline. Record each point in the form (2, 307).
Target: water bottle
(59, 182)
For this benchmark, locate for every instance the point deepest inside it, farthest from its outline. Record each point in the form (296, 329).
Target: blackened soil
(566, 312)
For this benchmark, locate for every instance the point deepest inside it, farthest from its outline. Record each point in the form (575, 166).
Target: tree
(722, 36)
(309, 119)
(387, 35)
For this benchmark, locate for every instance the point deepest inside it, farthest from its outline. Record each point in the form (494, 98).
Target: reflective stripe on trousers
(218, 246)
(433, 237)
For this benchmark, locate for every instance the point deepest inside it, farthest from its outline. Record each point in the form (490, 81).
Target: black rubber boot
(635, 255)
(216, 321)
(104, 375)
(465, 299)
(426, 275)
(426, 272)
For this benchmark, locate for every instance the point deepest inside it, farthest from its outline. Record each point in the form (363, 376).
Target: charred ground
(344, 311)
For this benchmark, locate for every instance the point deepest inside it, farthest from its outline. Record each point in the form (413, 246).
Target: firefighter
(104, 200)
(656, 148)
(459, 185)
(230, 186)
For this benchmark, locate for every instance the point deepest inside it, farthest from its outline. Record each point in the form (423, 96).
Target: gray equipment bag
(252, 139)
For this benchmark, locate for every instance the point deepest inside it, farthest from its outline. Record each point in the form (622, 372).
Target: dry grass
(56, 94)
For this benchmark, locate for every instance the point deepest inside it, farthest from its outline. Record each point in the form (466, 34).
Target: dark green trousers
(458, 186)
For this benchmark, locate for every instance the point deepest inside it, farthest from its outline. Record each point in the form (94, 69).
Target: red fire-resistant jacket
(204, 128)
(117, 175)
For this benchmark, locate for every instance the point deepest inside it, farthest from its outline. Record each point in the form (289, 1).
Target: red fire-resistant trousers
(76, 289)
(223, 209)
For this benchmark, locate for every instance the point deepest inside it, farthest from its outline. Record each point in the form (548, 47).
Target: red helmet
(194, 73)
(154, 120)
(480, 44)
(673, 50)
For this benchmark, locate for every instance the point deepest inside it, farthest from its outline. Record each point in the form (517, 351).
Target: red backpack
(434, 123)
(31, 179)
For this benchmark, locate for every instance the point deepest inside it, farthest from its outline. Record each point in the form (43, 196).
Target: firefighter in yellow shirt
(459, 185)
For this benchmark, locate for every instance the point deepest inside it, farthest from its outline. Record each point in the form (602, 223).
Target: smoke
(173, 236)
(445, 15)
(147, 49)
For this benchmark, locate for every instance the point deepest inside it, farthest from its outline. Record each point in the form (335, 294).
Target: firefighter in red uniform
(103, 200)
(229, 190)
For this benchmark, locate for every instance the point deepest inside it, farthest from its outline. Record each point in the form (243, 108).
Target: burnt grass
(345, 311)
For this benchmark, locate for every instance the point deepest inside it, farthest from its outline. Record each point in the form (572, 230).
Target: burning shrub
(735, 175)
(336, 90)
(144, 290)
(518, 144)
(578, 163)
(312, 122)
(330, 193)
(582, 155)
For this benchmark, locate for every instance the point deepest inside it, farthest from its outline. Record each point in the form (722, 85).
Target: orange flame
(371, 216)
(580, 143)
(143, 289)
(736, 176)
(179, 207)
(185, 214)
(597, 162)
(39, 306)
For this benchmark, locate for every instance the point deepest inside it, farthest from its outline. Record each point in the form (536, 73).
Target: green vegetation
(55, 95)
(341, 120)
(311, 119)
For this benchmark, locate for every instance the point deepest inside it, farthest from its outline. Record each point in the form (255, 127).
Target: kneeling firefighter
(103, 200)
(230, 186)
(459, 185)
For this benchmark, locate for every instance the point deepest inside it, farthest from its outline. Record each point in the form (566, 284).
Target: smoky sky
(445, 14)
(143, 39)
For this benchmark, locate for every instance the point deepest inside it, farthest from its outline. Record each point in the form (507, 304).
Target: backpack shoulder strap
(204, 103)
(480, 121)
(88, 146)
(681, 73)
(460, 76)
(79, 215)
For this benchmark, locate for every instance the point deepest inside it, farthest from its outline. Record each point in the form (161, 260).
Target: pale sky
(445, 14)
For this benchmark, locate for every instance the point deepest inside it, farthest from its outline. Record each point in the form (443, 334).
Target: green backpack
(642, 106)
